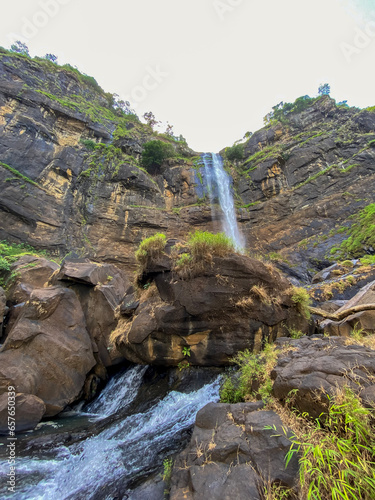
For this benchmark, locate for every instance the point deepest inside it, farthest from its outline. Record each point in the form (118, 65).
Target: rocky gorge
(80, 302)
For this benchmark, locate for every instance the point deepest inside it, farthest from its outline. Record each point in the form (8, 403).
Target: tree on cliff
(20, 48)
(154, 153)
(324, 89)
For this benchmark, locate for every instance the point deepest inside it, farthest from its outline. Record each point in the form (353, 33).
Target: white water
(102, 464)
(218, 181)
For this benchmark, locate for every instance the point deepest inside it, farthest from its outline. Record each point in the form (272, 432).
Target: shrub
(254, 377)
(154, 153)
(337, 455)
(204, 245)
(302, 299)
(235, 152)
(150, 249)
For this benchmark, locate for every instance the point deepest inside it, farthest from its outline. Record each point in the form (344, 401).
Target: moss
(19, 175)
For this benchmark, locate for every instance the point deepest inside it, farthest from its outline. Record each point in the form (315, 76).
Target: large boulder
(29, 410)
(48, 353)
(100, 289)
(231, 455)
(314, 368)
(231, 304)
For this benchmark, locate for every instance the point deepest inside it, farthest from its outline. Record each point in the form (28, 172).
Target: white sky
(221, 64)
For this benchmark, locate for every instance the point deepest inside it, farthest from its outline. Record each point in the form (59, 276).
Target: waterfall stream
(126, 446)
(218, 184)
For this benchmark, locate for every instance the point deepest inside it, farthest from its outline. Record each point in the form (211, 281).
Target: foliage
(361, 234)
(149, 249)
(324, 89)
(337, 455)
(254, 376)
(302, 299)
(88, 143)
(20, 48)
(19, 175)
(235, 152)
(203, 245)
(150, 119)
(281, 111)
(154, 153)
(186, 351)
(368, 260)
(51, 57)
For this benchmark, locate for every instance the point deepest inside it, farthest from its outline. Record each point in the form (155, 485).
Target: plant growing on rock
(302, 300)
(204, 245)
(154, 153)
(149, 249)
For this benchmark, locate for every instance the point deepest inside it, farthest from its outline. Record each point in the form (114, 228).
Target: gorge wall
(72, 182)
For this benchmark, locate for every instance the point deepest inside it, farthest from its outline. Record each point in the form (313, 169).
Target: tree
(20, 48)
(51, 57)
(247, 135)
(324, 89)
(150, 119)
(154, 153)
(169, 130)
(235, 152)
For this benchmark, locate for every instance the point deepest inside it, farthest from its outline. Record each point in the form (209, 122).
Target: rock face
(231, 455)
(364, 321)
(232, 304)
(48, 353)
(83, 189)
(315, 366)
(29, 410)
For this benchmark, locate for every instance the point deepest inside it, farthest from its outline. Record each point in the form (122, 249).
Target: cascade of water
(218, 183)
(102, 465)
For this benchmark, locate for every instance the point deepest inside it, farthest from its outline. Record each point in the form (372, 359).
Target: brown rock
(29, 410)
(48, 352)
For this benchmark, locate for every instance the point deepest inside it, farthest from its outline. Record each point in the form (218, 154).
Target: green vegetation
(167, 474)
(253, 379)
(203, 245)
(361, 234)
(235, 152)
(154, 153)
(337, 454)
(302, 299)
(186, 351)
(281, 111)
(368, 260)
(150, 249)
(315, 176)
(19, 175)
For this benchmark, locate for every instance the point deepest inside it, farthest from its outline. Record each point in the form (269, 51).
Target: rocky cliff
(71, 176)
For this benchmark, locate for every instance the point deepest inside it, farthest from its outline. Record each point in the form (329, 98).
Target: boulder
(315, 367)
(364, 320)
(231, 304)
(48, 352)
(29, 410)
(100, 289)
(231, 454)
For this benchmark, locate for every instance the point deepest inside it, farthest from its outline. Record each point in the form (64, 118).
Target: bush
(302, 299)
(254, 376)
(150, 249)
(361, 234)
(204, 245)
(235, 152)
(337, 455)
(154, 153)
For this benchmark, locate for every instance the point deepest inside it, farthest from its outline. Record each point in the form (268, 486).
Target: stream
(100, 451)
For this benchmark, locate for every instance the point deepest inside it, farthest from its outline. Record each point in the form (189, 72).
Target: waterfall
(129, 446)
(218, 184)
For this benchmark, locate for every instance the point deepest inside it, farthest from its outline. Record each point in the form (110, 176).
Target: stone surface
(204, 313)
(231, 453)
(364, 321)
(3, 308)
(29, 410)
(48, 352)
(316, 366)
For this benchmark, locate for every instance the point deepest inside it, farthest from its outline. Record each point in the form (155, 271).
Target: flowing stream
(126, 441)
(218, 184)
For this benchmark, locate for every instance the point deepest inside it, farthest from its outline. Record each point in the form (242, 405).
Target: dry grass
(261, 293)
(245, 303)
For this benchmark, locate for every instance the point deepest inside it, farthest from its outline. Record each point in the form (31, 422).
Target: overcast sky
(212, 68)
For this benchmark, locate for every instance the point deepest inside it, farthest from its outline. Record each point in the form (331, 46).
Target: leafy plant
(186, 351)
(302, 299)
(337, 455)
(150, 248)
(154, 153)
(235, 152)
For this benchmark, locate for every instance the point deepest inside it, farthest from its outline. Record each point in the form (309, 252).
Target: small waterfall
(102, 466)
(218, 184)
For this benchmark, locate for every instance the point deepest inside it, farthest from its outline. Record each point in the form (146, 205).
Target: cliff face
(71, 177)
